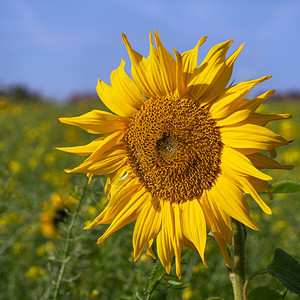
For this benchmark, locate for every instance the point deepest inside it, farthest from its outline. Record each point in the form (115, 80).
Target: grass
(33, 240)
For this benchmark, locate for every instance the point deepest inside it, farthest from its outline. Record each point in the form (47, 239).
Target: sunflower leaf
(173, 282)
(262, 293)
(157, 274)
(285, 187)
(286, 269)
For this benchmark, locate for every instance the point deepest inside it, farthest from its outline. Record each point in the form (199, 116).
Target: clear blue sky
(63, 47)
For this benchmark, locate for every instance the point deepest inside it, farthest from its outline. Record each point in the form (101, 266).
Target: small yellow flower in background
(35, 272)
(144, 257)
(46, 248)
(33, 162)
(288, 129)
(187, 293)
(197, 268)
(91, 211)
(280, 224)
(180, 148)
(291, 156)
(17, 248)
(11, 217)
(14, 166)
(54, 211)
(95, 293)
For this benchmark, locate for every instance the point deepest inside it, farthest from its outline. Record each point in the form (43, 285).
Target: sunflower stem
(237, 276)
(66, 257)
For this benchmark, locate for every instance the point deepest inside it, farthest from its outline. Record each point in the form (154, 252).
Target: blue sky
(62, 47)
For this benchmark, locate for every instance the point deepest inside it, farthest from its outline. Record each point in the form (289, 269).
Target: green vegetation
(38, 200)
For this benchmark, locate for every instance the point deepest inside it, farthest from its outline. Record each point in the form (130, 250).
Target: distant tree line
(20, 93)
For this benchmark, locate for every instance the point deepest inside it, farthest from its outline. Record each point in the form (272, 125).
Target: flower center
(167, 146)
(174, 147)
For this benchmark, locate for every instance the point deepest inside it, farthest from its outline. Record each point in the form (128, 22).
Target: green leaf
(215, 298)
(157, 273)
(173, 282)
(264, 293)
(285, 187)
(286, 269)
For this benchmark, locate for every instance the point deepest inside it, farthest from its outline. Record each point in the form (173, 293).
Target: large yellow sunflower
(180, 148)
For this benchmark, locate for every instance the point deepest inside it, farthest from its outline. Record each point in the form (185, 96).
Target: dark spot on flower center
(167, 146)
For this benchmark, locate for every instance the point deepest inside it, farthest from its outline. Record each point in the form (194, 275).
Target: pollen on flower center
(174, 147)
(167, 146)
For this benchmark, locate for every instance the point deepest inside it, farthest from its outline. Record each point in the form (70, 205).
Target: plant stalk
(66, 256)
(237, 275)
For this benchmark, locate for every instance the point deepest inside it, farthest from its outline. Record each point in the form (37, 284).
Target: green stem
(248, 280)
(237, 276)
(66, 256)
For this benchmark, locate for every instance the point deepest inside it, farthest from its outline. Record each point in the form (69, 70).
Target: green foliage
(285, 187)
(264, 293)
(157, 274)
(32, 173)
(286, 269)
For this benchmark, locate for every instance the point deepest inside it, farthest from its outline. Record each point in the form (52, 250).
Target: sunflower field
(46, 254)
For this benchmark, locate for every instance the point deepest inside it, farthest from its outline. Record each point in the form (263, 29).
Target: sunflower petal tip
(63, 120)
(88, 226)
(205, 263)
(99, 241)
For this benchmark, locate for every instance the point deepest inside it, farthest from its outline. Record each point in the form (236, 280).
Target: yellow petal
(262, 161)
(203, 76)
(83, 150)
(251, 136)
(230, 198)
(242, 113)
(232, 97)
(263, 119)
(121, 195)
(189, 60)
(112, 161)
(178, 237)
(127, 214)
(153, 73)
(167, 65)
(249, 189)
(237, 163)
(189, 244)
(138, 70)
(181, 87)
(193, 225)
(147, 226)
(149, 250)
(110, 142)
(221, 79)
(125, 88)
(97, 121)
(123, 96)
(218, 221)
(114, 178)
(224, 250)
(164, 241)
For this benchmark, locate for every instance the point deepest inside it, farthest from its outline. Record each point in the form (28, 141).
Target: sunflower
(180, 147)
(54, 212)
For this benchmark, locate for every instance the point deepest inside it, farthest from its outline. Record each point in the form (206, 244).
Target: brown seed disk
(174, 147)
